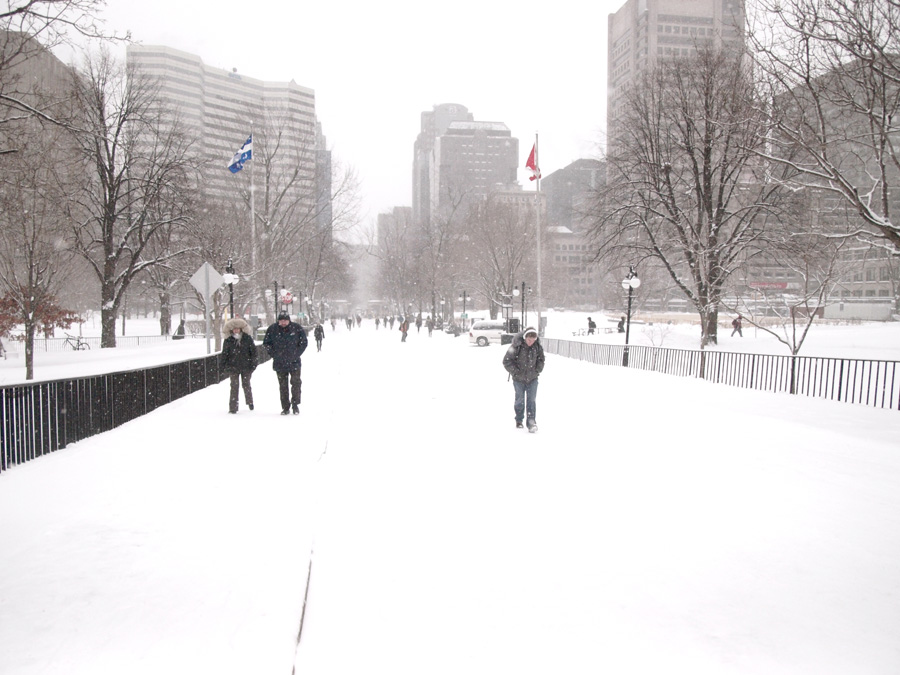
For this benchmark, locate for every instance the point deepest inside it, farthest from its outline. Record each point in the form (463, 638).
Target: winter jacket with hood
(524, 363)
(285, 346)
(238, 353)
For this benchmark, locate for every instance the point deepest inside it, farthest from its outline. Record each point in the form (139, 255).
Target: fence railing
(36, 419)
(63, 344)
(865, 381)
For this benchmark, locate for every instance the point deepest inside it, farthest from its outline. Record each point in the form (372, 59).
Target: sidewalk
(654, 524)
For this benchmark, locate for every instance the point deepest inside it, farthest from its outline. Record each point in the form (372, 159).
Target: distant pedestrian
(333, 324)
(418, 323)
(377, 322)
(429, 324)
(392, 323)
(592, 326)
(319, 334)
(620, 327)
(238, 358)
(179, 332)
(737, 324)
(286, 341)
(404, 329)
(524, 361)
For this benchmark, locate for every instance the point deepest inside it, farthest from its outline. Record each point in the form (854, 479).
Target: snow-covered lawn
(654, 524)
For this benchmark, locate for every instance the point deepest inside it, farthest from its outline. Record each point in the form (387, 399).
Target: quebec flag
(241, 156)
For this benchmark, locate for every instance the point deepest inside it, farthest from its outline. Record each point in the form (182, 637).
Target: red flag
(535, 170)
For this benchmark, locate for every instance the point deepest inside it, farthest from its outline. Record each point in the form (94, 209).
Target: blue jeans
(521, 406)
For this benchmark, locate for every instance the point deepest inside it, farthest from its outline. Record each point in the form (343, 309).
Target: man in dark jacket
(238, 358)
(286, 341)
(319, 334)
(524, 361)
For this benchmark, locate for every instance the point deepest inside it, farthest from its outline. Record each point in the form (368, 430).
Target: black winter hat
(285, 316)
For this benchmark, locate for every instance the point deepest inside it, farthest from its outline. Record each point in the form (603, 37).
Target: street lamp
(442, 311)
(629, 283)
(231, 279)
(275, 296)
(463, 297)
(524, 314)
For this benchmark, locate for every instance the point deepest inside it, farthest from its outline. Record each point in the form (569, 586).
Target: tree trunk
(29, 351)
(165, 314)
(108, 309)
(709, 326)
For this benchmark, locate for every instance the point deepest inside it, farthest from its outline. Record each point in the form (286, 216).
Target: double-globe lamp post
(231, 279)
(629, 283)
(462, 298)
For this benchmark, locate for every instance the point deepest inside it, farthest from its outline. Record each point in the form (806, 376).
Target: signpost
(207, 281)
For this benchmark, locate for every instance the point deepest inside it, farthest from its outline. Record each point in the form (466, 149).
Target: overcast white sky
(537, 66)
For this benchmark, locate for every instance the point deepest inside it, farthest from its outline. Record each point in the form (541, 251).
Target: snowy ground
(654, 525)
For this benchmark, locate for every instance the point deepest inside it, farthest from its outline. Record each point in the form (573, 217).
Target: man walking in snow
(524, 361)
(319, 334)
(286, 341)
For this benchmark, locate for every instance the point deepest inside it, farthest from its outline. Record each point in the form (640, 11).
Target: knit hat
(530, 331)
(285, 316)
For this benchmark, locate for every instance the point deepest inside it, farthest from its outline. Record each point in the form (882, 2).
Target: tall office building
(643, 31)
(572, 279)
(458, 159)
(219, 108)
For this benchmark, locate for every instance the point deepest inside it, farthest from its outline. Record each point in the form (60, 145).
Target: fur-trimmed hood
(237, 322)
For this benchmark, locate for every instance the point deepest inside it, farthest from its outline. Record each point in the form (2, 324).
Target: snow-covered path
(654, 524)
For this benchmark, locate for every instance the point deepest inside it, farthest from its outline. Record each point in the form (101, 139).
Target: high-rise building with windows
(643, 31)
(220, 108)
(458, 159)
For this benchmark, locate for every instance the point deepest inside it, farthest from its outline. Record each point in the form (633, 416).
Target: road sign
(287, 298)
(206, 280)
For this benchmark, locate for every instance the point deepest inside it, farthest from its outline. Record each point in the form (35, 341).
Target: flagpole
(252, 217)
(537, 208)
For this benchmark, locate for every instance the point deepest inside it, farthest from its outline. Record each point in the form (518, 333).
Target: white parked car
(483, 333)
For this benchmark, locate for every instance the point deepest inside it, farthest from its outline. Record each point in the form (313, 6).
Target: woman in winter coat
(239, 360)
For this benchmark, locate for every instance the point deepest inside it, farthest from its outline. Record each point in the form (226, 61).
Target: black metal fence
(865, 381)
(36, 419)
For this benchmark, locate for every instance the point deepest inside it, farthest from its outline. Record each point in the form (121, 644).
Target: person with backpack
(736, 324)
(592, 326)
(524, 361)
(404, 328)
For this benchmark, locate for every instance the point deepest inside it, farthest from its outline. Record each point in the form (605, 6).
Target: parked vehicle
(483, 333)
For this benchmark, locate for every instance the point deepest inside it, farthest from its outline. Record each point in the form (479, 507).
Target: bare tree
(684, 185)
(502, 238)
(286, 204)
(833, 96)
(138, 180)
(29, 29)
(35, 254)
(816, 265)
(398, 251)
